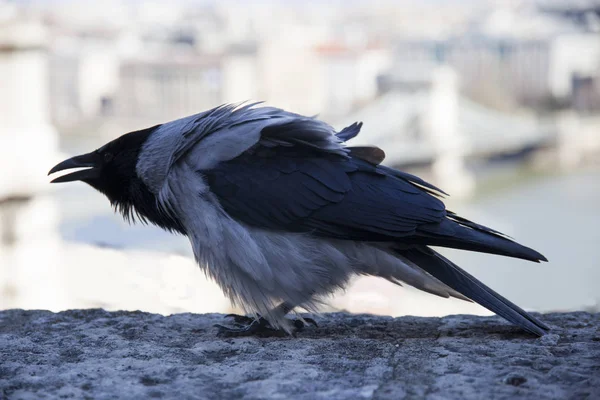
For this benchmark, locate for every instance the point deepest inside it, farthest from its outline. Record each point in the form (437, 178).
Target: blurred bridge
(416, 128)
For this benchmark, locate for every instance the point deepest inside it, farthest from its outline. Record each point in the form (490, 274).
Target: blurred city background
(495, 101)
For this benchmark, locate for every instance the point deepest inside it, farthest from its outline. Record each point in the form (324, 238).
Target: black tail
(461, 281)
(460, 233)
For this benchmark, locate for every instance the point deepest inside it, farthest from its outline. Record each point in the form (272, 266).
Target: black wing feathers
(349, 132)
(328, 195)
(466, 235)
(461, 281)
(372, 154)
(297, 179)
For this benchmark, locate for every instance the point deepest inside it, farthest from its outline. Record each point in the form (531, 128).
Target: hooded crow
(280, 212)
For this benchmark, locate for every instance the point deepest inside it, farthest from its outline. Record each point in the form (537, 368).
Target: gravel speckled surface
(105, 355)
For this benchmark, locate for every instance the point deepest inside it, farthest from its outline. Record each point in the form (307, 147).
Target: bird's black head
(111, 170)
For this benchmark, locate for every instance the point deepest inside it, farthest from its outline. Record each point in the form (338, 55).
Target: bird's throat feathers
(140, 205)
(126, 190)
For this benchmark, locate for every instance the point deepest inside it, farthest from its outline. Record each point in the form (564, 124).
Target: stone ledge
(105, 355)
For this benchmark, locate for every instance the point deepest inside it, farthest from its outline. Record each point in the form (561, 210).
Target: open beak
(92, 161)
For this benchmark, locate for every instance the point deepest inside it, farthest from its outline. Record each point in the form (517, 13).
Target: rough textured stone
(104, 355)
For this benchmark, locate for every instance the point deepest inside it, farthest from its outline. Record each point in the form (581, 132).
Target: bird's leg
(260, 326)
(282, 309)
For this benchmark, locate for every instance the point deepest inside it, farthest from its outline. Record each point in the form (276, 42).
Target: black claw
(249, 330)
(247, 326)
(256, 328)
(299, 325)
(241, 319)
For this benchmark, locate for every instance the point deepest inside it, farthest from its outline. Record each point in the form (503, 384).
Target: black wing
(297, 179)
(301, 189)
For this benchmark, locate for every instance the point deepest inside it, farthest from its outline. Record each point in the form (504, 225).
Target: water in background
(556, 215)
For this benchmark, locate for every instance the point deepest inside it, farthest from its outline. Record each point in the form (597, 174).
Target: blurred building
(27, 137)
(350, 74)
(290, 75)
(168, 88)
(581, 12)
(173, 85)
(28, 146)
(129, 64)
(509, 55)
(83, 75)
(492, 68)
(528, 71)
(586, 94)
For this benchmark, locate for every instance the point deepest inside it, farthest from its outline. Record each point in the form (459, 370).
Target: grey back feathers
(225, 132)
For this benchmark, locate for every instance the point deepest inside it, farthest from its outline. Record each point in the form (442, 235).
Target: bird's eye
(108, 157)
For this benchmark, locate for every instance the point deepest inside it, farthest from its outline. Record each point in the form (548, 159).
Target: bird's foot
(248, 326)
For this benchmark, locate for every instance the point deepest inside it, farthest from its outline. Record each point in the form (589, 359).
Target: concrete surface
(97, 354)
